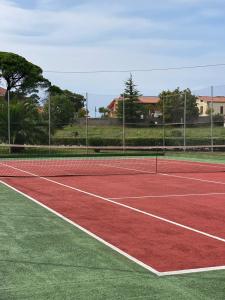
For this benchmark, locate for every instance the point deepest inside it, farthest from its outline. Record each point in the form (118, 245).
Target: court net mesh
(45, 161)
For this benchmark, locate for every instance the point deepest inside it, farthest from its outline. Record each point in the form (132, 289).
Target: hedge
(137, 141)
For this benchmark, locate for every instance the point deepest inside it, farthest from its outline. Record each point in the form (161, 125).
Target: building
(143, 100)
(204, 104)
(2, 92)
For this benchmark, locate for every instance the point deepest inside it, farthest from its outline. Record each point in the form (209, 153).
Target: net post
(87, 112)
(124, 120)
(9, 121)
(211, 117)
(185, 116)
(156, 162)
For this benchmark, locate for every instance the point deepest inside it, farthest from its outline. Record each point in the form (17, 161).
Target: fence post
(87, 112)
(163, 112)
(211, 118)
(185, 116)
(9, 121)
(124, 122)
(49, 120)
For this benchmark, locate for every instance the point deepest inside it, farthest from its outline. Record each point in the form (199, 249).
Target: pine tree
(133, 109)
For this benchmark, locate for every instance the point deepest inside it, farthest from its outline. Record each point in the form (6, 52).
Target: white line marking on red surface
(85, 230)
(133, 259)
(133, 209)
(125, 206)
(193, 178)
(164, 196)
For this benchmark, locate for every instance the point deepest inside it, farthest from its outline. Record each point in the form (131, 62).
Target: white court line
(193, 178)
(177, 161)
(129, 169)
(189, 271)
(164, 174)
(133, 209)
(133, 259)
(85, 230)
(169, 175)
(165, 196)
(125, 206)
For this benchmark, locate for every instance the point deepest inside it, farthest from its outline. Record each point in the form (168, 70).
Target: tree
(104, 111)
(82, 113)
(26, 124)
(21, 77)
(55, 90)
(133, 109)
(62, 110)
(172, 105)
(77, 99)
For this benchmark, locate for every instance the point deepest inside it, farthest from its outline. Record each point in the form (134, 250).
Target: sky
(118, 35)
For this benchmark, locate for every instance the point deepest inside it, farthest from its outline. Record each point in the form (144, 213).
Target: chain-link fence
(182, 118)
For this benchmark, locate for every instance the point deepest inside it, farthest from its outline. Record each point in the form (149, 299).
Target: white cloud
(85, 37)
(68, 27)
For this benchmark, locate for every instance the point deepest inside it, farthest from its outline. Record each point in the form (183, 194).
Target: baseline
(165, 196)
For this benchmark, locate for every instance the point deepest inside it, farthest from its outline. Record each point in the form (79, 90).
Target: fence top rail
(196, 147)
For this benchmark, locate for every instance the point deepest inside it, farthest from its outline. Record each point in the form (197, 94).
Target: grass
(43, 257)
(214, 157)
(140, 132)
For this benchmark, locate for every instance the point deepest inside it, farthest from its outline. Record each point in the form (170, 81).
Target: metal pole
(156, 162)
(87, 123)
(164, 123)
(211, 118)
(185, 112)
(124, 120)
(49, 121)
(9, 121)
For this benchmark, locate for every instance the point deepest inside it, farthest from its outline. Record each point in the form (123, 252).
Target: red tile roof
(216, 99)
(2, 91)
(112, 103)
(149, 99)
(142, 99)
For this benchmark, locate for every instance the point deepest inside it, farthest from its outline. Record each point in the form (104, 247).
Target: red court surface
(170, 223)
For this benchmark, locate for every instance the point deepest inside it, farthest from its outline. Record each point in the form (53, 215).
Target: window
(201, 110)
(221, 110)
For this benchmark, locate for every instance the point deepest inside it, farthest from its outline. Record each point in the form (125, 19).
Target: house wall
(217, 108)
(202, 107)
(112, 113)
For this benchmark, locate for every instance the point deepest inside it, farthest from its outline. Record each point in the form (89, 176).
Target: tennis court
(166, 214)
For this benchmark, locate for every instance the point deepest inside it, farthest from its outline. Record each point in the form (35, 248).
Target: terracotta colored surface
(161, 245)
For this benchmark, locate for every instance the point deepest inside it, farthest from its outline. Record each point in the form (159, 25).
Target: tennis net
(45, 161)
